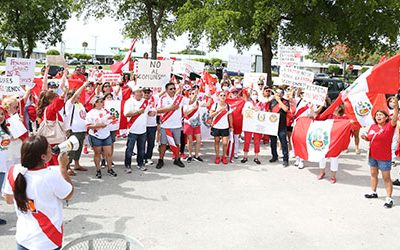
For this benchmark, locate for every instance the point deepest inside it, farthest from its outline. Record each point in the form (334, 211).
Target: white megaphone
(72, 144)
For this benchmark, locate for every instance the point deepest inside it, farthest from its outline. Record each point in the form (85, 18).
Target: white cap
(136, 88)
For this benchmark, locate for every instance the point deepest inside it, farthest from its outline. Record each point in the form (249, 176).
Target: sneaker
(103, 163)
(160, 164)
(198, 158)
(257, 161)
(179, 163)
(128, 170)
(388, 204)
(371, 196)
(273, 160)
(301, 165)
(224, 160)
(297, 162)
(217, 160)
(396, 182)
(111, 172)
(85, 150)
(189, 159)
(183, 156)
(244, 160)
(112, 164)
(98, 174)
(285, 164)
(149, 162)
(3, 222)
(142, 168)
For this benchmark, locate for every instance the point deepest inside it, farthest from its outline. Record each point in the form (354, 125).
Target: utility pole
(95, 45)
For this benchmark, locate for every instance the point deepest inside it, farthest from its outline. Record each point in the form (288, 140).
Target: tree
(31, 21)
(53, 52)
(84, 45)
(118, 57)
(334, 69)
(318, 24)
(190, 52)
(142, 18)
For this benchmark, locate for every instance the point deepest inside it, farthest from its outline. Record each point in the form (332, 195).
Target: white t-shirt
(152, 120)
(223, 123)
(175, 120)
(96, 116)
(79, 119)
(140, 124)
(5, 140)
(194, 120)
(46, 188)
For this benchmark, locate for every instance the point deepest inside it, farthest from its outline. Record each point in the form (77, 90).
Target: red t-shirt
(76, 76)
(381, 141)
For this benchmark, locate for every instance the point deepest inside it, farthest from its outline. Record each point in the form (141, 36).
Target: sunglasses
(260, 84)
(147, 92)
(192, 93)
(267, 90)
(222, 95)
(107, 86)
(235, 93)
(171, 89)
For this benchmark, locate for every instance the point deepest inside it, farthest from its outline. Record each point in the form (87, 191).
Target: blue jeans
(150, 138)
(130, 144)
(19, 247)
(282, 134)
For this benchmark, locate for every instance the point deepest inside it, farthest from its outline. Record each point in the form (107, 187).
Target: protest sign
(251, 79)
(288, 56)
(314, 94)
(187, 66)
(153, 73)
(114, 107)
(239, 63)
(110, 77)
(205, 124)
(23, 68)
(261, 122)
(55, 60)
(9, 86)
(295, 77)
(17, 128)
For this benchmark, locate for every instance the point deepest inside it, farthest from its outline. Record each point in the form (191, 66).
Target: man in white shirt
(151, 125)
(136, 109)
(170, 106)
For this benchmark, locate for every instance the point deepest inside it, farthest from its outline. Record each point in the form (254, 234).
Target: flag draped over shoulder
(316, 140)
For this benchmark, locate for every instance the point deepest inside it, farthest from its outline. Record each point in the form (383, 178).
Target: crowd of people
(164, 119)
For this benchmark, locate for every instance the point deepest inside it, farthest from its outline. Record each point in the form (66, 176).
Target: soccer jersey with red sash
(137, 124)
(173, 118)
(192, 115)
(41, 227)
(220, 121)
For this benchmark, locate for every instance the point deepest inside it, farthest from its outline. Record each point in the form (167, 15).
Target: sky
(108, 33)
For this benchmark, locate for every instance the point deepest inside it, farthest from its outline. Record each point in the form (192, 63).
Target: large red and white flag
(116, 68)
(171, 142)
(316, 140)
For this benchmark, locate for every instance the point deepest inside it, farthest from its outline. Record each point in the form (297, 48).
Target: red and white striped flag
(316, 140)
(231, 147)
(171, 142)
(116, 68)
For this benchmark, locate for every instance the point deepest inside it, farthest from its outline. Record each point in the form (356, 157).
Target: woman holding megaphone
(38, 193)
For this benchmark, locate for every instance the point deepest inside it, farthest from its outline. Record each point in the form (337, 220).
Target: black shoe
(244, 160)
(388, 204)
(179, 163)
(112, 163)
(371, 196)
(103, 163)
(285, 164)
(3, 222)
(198, 158)
(112, 172)
(273, 160)
(189, 159)
(257, 161)
(160, 164)
(396, 182)
(98, 174)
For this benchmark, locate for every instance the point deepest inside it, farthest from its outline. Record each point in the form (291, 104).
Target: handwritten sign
(239, 63)
(187, 66)
(9, 86)
(314, 94)
(110, 77)
(23, 68)
(288, 55)
(153, 73)
(55, 60)
(251, 79)
(295, 77)
(261, 122)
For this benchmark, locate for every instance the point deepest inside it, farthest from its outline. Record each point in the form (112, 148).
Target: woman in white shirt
(97, 121)
(37, 193)
(5, 140)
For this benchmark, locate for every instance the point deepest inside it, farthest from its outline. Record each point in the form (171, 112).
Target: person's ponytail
(20, 193)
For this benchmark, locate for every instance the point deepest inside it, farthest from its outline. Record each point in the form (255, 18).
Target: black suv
(335, 86)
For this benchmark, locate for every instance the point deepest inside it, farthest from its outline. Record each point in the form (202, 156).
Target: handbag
(53, 130)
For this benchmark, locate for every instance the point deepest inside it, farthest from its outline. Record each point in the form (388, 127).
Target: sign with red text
(9, 86)
(288, 55)
(295, 77)
(110, 77)
(314, 94)
(153, 73)
(23, 68)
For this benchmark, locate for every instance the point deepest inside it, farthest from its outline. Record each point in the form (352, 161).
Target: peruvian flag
(316, 140)
(361, 107)
(116, 68)
(171, 142)
(209, 83)
(383, 78)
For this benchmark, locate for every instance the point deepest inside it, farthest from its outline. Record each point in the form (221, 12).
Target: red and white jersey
(221, 121)
(175, 120)
(42, 226)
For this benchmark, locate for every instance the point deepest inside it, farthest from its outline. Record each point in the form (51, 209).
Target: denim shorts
(381, 165)
(96, 142)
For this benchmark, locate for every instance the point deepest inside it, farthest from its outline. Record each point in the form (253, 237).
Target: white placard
(295, 77)
(205, 124)
(251, 79)
(261, 122)
(55, 60)
(17, 128)
(239, 63)
(23, 68)
(110, 77)
(153, 73)
(314, 94)
(288, 55)
(114, 107)
(9, 86)
(187, 66)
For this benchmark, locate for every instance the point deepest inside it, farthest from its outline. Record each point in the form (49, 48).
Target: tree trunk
(266, 50)
(154, 42)
(21, 47)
